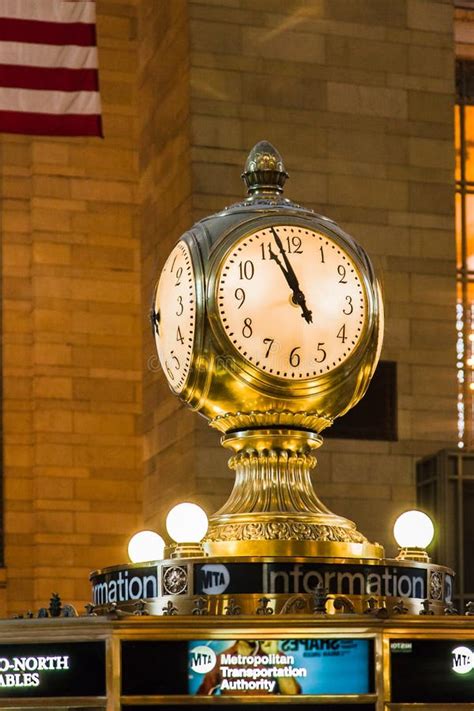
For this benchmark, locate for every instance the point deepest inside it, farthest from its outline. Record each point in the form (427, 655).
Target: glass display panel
(457, 143)
(458, 228)
(235, 667)
(52, 670)
(238, 707)
(468, 534)
(162, 665)
(469, 142)
(432, 671)
(469, 235)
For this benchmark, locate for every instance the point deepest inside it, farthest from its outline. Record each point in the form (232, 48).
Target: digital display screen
(288, 667)
(424, 671)
(53, 669)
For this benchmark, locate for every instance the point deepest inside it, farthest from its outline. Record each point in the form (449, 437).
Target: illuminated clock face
(174, 315)
(291, 301)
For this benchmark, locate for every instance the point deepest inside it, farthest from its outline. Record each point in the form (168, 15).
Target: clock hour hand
(155, 318)
(291, 278)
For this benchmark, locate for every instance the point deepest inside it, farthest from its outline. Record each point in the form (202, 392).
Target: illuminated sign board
(447, 664)
(284, 667)
(288, 667)
(148, 581)
(138, 583)
(50, 670)
(298, 578)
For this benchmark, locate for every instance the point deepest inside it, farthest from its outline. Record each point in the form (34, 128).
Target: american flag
(48, 68)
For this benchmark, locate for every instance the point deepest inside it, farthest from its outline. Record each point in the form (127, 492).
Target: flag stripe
(50, 102)
(79, 33)
(50, 124)
(48, 78)
(48, 68)
(47, 55)
(79, 11)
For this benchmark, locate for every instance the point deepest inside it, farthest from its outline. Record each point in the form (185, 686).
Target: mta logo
(202, 659)
(463, 660)
(214, 579)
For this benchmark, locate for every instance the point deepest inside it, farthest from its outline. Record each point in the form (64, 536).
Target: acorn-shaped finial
(264, 170)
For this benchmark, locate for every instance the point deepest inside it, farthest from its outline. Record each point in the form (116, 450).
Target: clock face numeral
(247, 329)
(342, 333)
(175, 306)
(295, 358)
(246, 270)
(291, 301)
(349, 309)
(240, 296)
(293, 245)
(341, 270)
(269, 342)
(321, 353)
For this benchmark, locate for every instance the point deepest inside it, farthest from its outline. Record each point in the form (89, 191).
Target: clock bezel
(238, 364)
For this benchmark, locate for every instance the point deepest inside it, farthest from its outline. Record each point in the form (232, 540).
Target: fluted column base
(273, 508)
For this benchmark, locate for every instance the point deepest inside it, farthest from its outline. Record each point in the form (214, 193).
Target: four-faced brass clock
(268, 321)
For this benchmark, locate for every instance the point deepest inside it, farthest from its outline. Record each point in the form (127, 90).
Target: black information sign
(52, 669)
(147, 582)
(432, 671)
(125, 585)
(297, 578)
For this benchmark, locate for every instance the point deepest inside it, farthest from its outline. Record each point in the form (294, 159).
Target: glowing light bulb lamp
(145, 546)
(187, 525)
(413, 531)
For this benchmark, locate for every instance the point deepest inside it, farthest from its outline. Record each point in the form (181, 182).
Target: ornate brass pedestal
(273, 506)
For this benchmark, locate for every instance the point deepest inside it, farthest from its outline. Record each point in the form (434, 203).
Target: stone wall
(72, 341)
(166, 212)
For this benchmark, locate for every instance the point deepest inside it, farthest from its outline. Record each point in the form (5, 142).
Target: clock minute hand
(291, 278)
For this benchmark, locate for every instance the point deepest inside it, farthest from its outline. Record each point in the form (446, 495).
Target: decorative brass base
(273, 508)
(284, 419)
(418, 554)
(186, 550)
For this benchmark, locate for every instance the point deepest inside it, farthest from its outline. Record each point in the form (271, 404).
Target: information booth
(142, 663)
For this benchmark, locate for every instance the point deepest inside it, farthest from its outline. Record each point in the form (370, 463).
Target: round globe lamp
(145, 546)
(413, 532)
(187, 524)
